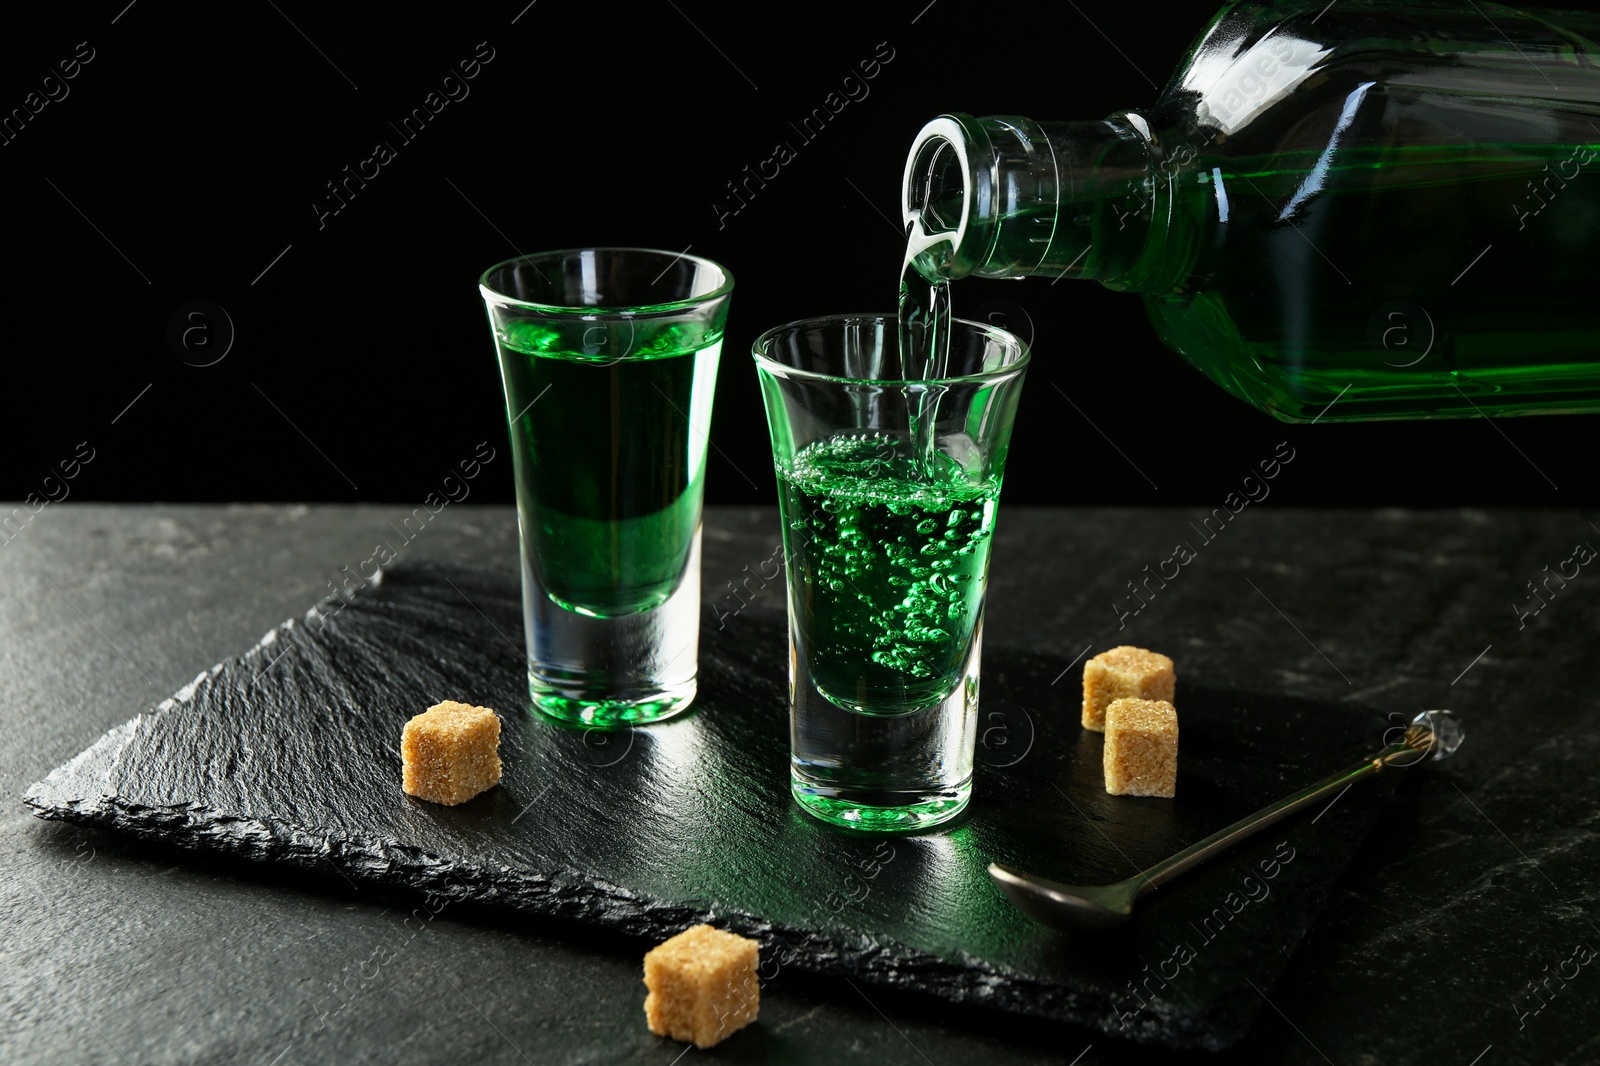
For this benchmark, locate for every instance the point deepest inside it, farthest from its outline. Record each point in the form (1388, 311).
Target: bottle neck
(1007, 197)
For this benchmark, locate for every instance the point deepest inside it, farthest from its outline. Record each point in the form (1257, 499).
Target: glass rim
(495, 296)
(766, 363)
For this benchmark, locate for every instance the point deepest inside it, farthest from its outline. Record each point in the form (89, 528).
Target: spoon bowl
(1053, 903)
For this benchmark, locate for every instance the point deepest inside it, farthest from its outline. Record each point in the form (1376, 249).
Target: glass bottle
(1344, 211)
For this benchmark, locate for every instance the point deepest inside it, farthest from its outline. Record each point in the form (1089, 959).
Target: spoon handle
(1416, 746)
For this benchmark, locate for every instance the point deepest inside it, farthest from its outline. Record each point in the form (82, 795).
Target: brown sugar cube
(450, 752)
(702, 985)
(1124, 673)
(1141, 749)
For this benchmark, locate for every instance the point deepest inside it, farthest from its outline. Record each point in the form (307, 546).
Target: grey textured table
(1464, 929)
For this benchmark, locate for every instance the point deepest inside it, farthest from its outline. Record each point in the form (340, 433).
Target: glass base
(882, 773)
(610, 712)
(616, 671)
(837, 808)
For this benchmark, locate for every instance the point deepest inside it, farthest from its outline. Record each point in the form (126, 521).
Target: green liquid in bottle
(1403, 284)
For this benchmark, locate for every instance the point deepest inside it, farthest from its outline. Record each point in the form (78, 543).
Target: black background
(189, 151)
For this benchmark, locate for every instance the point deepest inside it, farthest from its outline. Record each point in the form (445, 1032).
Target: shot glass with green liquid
(888, 490)
(609, 360)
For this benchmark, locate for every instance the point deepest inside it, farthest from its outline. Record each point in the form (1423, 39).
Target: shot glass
(609, 360)
(888, 491)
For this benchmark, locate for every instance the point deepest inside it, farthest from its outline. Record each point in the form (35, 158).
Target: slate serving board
(288, 753)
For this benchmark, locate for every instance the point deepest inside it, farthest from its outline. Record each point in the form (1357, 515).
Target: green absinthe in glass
(1352, 211)
(887, 556)
(612, 452)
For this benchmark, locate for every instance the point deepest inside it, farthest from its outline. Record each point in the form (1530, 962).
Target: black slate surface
(651, 831)
(118, 950)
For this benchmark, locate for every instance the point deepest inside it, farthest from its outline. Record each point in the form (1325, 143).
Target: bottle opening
(935, 196)
(940, 188)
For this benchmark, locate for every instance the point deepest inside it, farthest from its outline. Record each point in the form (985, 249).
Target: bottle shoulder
(1277, 111)
(1260, 67)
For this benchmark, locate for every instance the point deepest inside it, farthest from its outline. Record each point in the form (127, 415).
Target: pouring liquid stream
(924, 340)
